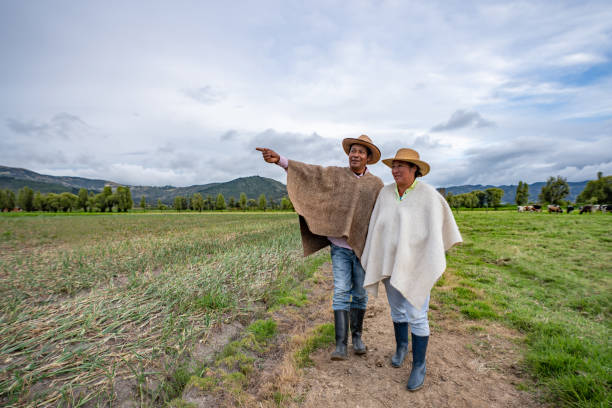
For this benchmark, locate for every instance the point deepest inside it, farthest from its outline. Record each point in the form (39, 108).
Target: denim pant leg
(402, 311)
(348, 280)
(342, 266)
(359, 296)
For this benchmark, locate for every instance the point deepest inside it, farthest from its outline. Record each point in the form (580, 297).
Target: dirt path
(465, 368)
(469, 364)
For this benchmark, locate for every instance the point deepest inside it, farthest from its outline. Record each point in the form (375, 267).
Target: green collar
(405, 192)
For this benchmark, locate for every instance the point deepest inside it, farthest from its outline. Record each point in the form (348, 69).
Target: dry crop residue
(466, 367)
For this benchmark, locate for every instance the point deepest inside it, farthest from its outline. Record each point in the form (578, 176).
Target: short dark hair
(359, 144)
(418, 171)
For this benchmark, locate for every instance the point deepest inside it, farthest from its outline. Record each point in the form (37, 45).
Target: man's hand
(269, 155)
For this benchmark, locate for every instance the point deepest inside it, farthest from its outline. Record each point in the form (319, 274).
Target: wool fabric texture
(407, 241)
(331, 202)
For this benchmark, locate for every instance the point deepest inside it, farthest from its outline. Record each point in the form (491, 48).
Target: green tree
(91, 202)
(220, 204)
(143, 202)
(9, 199)
(232, 202)
(112, 201)
(597, 191)
(25, 198)
(522, 194)
(100, 202)
(208, 203)
(494, 196)
(107, 191)
(53, 202)
(83, 198)
(68, 202)
(554, 191)
(180, 203)
(262, 202)
(454, 201)
(3, 200)
(123, 199)
(197, 202)
(469, 200)
(286, 204)
(482, 198)
(38, 202)
(243, 201)
(251, 203)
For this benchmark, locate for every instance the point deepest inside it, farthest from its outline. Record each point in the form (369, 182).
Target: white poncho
(407, 241)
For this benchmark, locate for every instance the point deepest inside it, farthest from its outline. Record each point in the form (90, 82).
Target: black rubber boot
(341, 327)
(356, 330)
(401, 343)
(417, 375)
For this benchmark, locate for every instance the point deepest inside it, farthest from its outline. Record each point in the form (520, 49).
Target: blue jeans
(348, 280)
(403, 312)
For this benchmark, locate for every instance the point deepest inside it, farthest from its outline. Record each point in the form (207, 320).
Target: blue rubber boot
(417, 375)
(401, 343)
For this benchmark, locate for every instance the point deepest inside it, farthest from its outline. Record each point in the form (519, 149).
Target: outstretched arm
(268, 155)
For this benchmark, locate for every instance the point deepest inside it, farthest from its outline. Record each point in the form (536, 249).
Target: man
(334, 206)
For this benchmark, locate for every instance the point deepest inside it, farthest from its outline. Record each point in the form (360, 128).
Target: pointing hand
(269, 155)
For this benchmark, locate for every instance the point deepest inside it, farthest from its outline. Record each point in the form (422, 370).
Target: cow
(537, 208)
(570, 208)
(606, 208)
(521, 208)
(586, 209)
(554, 209)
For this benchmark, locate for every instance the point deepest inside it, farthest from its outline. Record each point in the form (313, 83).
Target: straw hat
(363, 140)
(410, 156)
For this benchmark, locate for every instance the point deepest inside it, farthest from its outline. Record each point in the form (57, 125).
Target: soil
(469, 364)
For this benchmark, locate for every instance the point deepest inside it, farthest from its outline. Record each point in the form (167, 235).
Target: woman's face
(403, 172)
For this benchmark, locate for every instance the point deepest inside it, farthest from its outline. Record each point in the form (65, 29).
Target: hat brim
(348, 142)
(423, 166)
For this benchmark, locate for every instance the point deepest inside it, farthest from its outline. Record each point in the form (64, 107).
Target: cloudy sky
(181, 92)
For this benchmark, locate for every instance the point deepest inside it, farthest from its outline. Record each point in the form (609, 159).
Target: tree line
(120, 200)
(198, 203)
(490, 198)
(554, 192)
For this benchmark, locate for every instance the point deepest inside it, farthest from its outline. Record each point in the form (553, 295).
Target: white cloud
(192, 88)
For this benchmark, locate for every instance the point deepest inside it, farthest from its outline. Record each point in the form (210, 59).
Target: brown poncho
(331, 202)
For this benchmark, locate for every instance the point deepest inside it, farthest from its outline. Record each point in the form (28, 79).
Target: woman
(410, 229)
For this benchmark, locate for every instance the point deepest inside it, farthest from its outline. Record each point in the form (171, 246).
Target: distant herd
(557, 209)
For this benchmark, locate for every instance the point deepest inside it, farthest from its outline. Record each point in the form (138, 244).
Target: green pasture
(550, 277)
(88, 301)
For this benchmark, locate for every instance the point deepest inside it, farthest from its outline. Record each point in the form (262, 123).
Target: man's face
(358, 158)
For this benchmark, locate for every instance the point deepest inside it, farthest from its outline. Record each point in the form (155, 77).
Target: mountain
(576, 188)
(252, 186)
(15, 184)
(72, 182)
(15, 178)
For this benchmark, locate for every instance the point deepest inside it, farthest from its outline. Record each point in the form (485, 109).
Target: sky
(181, 92)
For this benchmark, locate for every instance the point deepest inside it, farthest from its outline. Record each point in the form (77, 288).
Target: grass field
(549, 276)
(87, 301)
